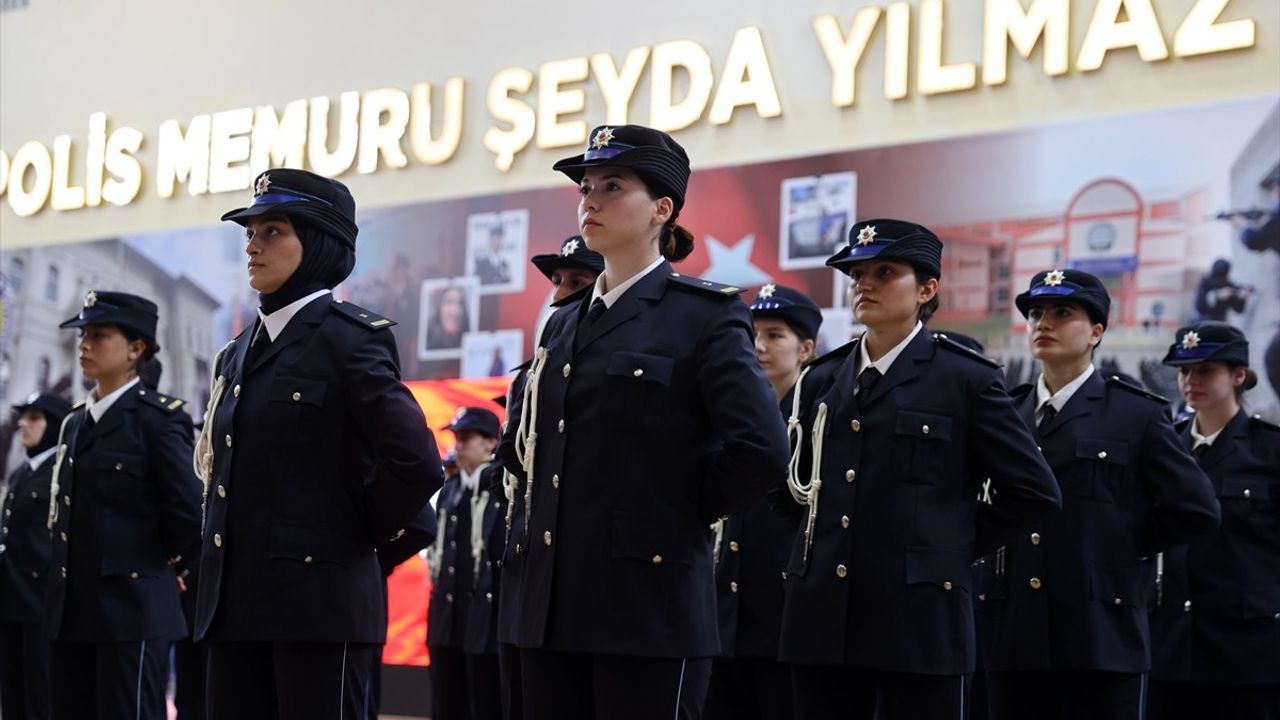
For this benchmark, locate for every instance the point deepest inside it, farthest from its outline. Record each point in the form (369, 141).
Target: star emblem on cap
(570, 248)
(462, 412)
(866, 235)
(1190, 340)
(1054, 277)
(90, 299)
(264, 183)
(602, 138)
(768, 290)
(32, 398)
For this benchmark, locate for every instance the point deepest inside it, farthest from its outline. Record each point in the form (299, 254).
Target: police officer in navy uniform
(752, 545)
(645, 418)
(24, 561)
(462, 615)
(314, 454)
(124, 506)
(1065, 608)
(576, 266)
(1215, 627)
(899, 426)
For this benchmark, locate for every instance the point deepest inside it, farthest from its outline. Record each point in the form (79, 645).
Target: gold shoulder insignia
(707, 286)
(945, 342)
(361, 316)
(1119, 382)
(167, 403)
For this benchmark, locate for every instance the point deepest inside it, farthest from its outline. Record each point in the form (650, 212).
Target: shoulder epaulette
(1259, 420)
(1117, 381)
(360, 316)
(77, 406)
(578, 295)
(707, 286)
(837, 354)
(167, 403)
(945, 342)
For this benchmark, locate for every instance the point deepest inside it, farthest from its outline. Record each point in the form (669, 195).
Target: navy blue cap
(1074, 285)
(478, 419)
(790, 306)
(324, 202)
(887, 239)
(652, 154)
(54, 407)
(574, 253)
(103, 307)
(1207, 341)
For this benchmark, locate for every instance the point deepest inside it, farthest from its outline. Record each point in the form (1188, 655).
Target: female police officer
(878, 619)
(313, 454)
(752, 545)
(1214, 633)
(124, 505)
(646, 418)
(1064, 613)
(24, 561)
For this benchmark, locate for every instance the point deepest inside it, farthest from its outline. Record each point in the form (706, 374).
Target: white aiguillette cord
(527, 433)
(202, 458)
(805, 493)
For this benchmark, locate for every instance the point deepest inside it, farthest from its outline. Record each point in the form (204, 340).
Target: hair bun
(677, 242)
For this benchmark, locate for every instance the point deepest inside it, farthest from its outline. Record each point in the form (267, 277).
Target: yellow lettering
(554, 102)
(618, 86)
(229, 150)
(379, 137)
(425, 149)
(321, 160)
(844, 54)
(933, 76)
(94, 159)
(1106, 33)
(1200, 33)
(897, 48)
(183, 157)
(747, 80)
(65, 195)
(27, 200)
(125, 179)
(506, 143)
(665, 112)
(278, 141)
(1005, 21)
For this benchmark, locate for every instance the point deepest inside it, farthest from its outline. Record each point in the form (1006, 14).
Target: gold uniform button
(297, 396)
(657, 559)
(1116, 601)
(488, 596)
(844, 521)
(228, 441)
(1102, 454)
(841, 571)
(1034, 583)
(733, 546)
(856, 425)
(448, 597)
(565, 370)
(733, 587)
(546, 538)
(308, 559)
(133, 575)
(1039, 449)
(119, 467)
(849, 475)
(946, 585)
(236, 391)
(560, 425)
(222, 491)
(925, 429)
(638, 372)
(1035, 538)
(1186, 606)
(1247, 493)
(555, 482)
(217, 540)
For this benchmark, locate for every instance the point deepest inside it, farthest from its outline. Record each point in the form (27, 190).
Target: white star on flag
(866, 235)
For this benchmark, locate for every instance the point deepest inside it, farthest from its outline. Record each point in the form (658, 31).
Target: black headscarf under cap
(326, 261)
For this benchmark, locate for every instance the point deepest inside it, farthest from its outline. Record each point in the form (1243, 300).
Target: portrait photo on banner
(497, 244)
(491, 354)
(814, 215)
(450, 308)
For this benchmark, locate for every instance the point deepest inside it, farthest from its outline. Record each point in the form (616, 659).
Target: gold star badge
(866, 235)
(570, 248)
(1054, 277)
(264, 183)
(768, 290)
(602, 138)
(1190, 340)
(90, 299)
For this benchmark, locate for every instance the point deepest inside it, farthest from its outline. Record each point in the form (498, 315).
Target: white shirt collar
(98, 408)
(1197, 439)
(35, 462)
(612, 296)
(886, 360)
(470, 481)
(1060, 398)
(275, 322)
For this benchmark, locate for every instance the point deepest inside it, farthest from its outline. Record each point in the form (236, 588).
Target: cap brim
(75, 322)
(551, 262)
(241, 215)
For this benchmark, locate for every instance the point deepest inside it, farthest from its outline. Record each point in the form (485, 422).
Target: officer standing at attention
(124, 505)
(573, 268)
(1065, 608)
(645, 418)
(24, 561)
(1215, 630)
(751, 545)
(464, 652)
(314, 454)
(902, 424)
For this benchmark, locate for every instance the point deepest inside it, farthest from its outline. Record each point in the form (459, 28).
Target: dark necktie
(1200, 451)
(866, 381)
(584, 327)
(1047, 413)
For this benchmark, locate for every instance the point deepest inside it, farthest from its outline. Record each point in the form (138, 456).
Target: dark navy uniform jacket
(886, 584)
(753, 556)
(128, 502)
(1217, 612)
(320, 455)
(451, 567)
(656, 423)
(1072, 592)
(486, 581)
(25, 545)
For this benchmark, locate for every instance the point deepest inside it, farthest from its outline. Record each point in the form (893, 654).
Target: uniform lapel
(112, 419)
(1224, 446)
(905, 368)
(841, 391)
(1081, 403)
(647, 289)
(298, 328)
(1026, 406)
